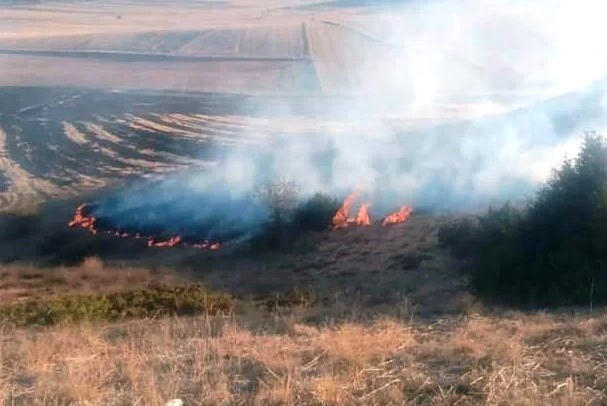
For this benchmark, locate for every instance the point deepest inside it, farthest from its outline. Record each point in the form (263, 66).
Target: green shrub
(293, 298)
(158, 301)
(314, 214)
(554, 250)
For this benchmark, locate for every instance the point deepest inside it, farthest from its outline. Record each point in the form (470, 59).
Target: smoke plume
(450, 106)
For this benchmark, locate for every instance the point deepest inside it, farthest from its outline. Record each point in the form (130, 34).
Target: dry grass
(515, 360)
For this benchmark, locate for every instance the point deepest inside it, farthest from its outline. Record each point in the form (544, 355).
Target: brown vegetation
(287, 359)
(20, 282)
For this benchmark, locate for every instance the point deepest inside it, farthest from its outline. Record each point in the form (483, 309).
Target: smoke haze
(452, 106)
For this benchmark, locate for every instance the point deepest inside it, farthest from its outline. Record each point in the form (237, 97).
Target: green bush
(158, 301)
(314, 214)
(554, 250)
(293, 298)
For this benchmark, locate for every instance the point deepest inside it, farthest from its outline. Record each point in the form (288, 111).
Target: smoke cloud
(451, 106)
(493, 68)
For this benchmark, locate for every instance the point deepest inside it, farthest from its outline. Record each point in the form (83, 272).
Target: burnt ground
(377, 265)
(369, 266)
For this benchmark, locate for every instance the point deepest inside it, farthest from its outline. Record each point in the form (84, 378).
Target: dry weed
(518, 360)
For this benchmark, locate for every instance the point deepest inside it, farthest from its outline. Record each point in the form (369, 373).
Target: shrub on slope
(554, 250)
(142, 303)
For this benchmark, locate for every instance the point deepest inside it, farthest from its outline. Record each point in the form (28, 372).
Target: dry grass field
(21, 282)
(373, 266)
(294, 357)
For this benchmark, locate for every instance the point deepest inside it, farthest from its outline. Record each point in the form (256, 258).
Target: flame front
(340, 219)
(399, 217)
(362, 218)
(83, 220)
(171, 242)
(208, 245)
(89, 222)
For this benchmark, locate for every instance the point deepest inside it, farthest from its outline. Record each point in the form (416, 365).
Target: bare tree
(281, 197)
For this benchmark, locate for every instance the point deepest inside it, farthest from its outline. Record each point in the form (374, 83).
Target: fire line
(342, 220)
(89, 222)
(399, 217)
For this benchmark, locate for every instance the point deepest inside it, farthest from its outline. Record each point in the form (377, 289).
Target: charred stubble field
(57, 143)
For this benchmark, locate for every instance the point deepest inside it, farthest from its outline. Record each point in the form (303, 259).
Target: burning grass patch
(142, 303)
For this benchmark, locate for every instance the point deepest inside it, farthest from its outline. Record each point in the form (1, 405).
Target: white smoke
(508, 53)
(442, 104)
(472, 61)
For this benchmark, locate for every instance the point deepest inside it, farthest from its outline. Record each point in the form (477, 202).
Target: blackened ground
(178, 205)
(373, 265)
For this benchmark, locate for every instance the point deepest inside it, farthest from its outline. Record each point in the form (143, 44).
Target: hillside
(271, 202)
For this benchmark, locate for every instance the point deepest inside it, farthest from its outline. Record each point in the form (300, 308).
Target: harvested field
(280, 41)
(236, 47)
(257, 76)
(214, 48)
(59, 143)
(356, 69)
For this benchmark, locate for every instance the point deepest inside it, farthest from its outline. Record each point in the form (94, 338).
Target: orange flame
(171, 242)
(362, 218)
(208, 245)
(399, 217)
(83, 220)
(89, 222)
(340, 219)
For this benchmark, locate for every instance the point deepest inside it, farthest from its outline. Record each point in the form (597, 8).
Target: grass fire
(342, 220)
(83, 219)
(312, 202)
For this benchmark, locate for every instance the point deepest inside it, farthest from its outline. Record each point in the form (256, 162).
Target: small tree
(281, 197)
